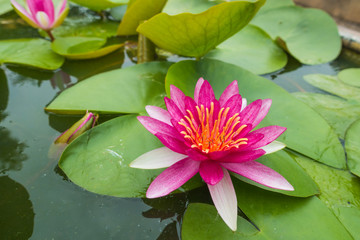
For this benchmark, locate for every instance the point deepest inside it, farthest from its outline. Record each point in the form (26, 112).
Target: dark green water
(36, 199)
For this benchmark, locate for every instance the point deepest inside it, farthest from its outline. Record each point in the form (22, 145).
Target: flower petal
(244, 104)
(273, 147)
(230, 91)
(265, 106)
(155, 126)
(206, 95)
(24, 14)
(172, 143)
(234, 103)
(260, 173)
(270, 134)
(211, 172)
(178, 97)
(196, 155)
(158, 113)
(250, 112)
(173, 110)
(172, 178)
(157, 158)
(199, 83)
(244, 156)
(49, 10)
(224, 198)
(35, 6)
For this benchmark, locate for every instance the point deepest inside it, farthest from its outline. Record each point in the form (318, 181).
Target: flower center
(211, 133)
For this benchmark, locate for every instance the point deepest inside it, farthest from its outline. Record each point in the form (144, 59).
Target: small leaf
(352, 146)
(194, 35)
(30, 52)
(350, 76)
(83, 47)
(307, 132)
(138, 11)
(252, 49)
(310, 35)
(100, 5)
(126, 90)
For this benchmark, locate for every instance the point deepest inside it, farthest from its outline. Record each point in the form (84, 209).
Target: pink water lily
(211, 137)
(42, 14)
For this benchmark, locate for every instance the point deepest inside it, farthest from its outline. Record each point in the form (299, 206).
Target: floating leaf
(5, 6)
(284, 164)
(126, 90)
(352, 146)
(195, 34)
(99, 159)
(307, 132)
(138, 11)
(100, 5)
(310, 35)
(174, 7)
(30, 52)
(332, 85)
(350, 76)
(252, 49)
(83, 47)
(272, 4)
(338, 112)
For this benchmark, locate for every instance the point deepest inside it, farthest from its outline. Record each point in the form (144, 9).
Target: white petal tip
(273, 147)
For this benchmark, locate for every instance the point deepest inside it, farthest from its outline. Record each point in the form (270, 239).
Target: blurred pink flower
(211, 136)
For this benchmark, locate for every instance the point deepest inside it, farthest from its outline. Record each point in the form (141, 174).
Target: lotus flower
(42, 14)
(211, 137)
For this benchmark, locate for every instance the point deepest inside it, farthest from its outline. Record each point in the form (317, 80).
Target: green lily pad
(83, 47)
(350, 76)
(252, 49)
(352, 146)
(272, 4)
(285, 164)
(126, 90)
(307, 132)
(30, 52)
(99, 159)
(194, 35)
(340, 192)
(309, 35)
(100, 5)
(5, 6)
(138, 11)
(174, 7)
(339, 113)
(332, 85)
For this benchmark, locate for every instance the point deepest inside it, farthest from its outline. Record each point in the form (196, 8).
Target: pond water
(38, 201)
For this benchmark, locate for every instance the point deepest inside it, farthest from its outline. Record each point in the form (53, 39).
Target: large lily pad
(195, 34)
(83, 47)
(350, 76)
(126, 90)
(252, 49)
(99, 159)
(285, 164)
(30, 52)
(339, 113)
(138, 11)
(310, 35)
(5, 6)
(352, 146)
(307, 132)
(100, 5)
(174, 7)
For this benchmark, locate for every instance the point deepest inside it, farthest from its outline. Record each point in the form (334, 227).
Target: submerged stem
(145, 50)
(50, 35)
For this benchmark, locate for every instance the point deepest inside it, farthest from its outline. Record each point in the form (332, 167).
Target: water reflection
(4, 95)
(17, 215)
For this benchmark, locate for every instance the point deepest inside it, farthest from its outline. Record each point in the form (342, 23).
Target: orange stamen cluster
(208, 135)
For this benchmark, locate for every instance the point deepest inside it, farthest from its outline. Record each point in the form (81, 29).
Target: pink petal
(155, 126)
(230, 91)
(234, 103)
(60, 8)
(35, 6)
(49, 10)
(260, 173)
(250, 112)
(273, 147)
(22, 10)
(173, 110)
(159, 114)
(265, 106)
(270, 134)
(172, 178)
(211, 172)
(244, 156)
(196, 155)
(172, 143)
(199, 83)
(224, 198)
(206, 95)
(157, 158)
(178, 97)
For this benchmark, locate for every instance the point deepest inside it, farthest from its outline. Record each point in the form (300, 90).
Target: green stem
(50, 35)
(145, 50)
